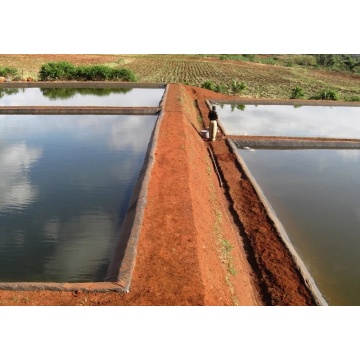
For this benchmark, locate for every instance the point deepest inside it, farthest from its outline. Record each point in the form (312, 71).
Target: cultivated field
(264, 79)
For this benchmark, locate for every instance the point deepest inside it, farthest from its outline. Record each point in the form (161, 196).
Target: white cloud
(16, 190)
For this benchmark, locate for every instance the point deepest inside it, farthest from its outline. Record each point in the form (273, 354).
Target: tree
(326, 60)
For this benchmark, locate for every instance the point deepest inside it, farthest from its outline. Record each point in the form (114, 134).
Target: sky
(194, 27)
(186, 27)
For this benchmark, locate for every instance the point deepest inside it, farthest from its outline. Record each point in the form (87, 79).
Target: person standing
(213, 117)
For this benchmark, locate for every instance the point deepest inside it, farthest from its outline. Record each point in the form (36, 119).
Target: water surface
(65, 185)
(316, 196)
(287, 120)
(124, 97)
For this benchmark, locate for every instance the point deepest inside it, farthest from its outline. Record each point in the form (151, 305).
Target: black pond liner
(119, 274)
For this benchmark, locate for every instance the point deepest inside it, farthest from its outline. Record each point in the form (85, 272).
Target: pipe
(216, 169)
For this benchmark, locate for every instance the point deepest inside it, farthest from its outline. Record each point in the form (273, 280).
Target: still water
(129, 97)
(286, 120)
(316, 196)
(65, 185)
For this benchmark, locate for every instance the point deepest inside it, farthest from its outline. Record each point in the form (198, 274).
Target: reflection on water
(68, 93)
(286, 120)
(316, 195)
(8, 92)
(65, 185)
(127, 97)
(16, 190)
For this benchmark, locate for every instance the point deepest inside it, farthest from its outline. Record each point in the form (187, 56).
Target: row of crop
(229, 78)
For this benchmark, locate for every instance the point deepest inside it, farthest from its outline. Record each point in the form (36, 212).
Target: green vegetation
(65, 71)
(8, 72)
(232, 74)
(297, 93)
(326, 95)
(221, 88)
(237, 87)
(208, 85)
(343, 62)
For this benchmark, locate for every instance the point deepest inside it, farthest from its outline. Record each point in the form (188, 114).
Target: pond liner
(259, 143)
(283, 102)
(76, 110)
(119, 274)
(304, 273)
(81, 84)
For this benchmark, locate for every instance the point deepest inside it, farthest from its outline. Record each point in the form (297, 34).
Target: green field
(263, 76)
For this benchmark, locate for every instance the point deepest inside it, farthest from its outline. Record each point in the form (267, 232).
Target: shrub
(66, 71)
(297, 93)
(326, 95)
(269, 61)
(219, 88)
(250, 57)
(123, 74)
(237, 87)
(8, 71)
(56, 71)
(353, 98)
(208, 85)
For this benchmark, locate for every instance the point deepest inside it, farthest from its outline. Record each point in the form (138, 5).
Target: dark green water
(316, 196)
(65, 185)
(286, 120)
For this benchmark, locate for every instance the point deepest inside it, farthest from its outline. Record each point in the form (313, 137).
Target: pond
(124, 97)
(65, 185)
(316, 196)
(286, 120)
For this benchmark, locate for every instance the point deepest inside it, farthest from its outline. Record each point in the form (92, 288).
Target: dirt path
(200, 244)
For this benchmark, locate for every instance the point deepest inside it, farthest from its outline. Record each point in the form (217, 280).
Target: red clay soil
(200, 243)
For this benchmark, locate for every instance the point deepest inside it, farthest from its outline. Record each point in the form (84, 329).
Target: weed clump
(326, 95)
(208, 85)
(8, 71)
(297, 93)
